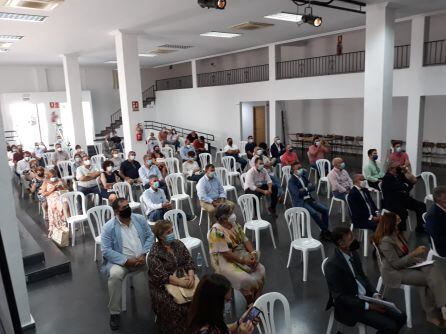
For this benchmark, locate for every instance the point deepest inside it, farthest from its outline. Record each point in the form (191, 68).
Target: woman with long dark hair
(396, 268)
(207, 308)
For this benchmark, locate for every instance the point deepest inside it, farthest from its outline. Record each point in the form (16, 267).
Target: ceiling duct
(176, 46)
(251, 26)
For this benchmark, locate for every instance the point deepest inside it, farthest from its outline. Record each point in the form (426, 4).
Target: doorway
(254, 120)
(259, 125)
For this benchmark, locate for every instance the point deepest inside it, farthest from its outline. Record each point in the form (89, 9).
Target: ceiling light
(110, 62)
(5, 45)
(313, 20)
(147, 55)
(282, 16)
(4, 50)
(220, 34)
(217, 4)
(22, 17)
(31, 4)
(10, 37)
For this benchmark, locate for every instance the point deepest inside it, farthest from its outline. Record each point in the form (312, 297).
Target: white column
(415, 106)
(130, 90)
(378, 78)
(273, 119)
(11, 240)
(272, 62)
(193, 64)
(74, 99)
(40, 79)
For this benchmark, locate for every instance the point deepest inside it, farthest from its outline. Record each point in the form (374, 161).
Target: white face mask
(278, 141)
(259, 152)
(132, 157)
(42, 146)
(228, 308)
(109, 168)
(77, 159)
(59, 149)
(363, 184)
(232, 218)
(116, 155)
(27, 158)
(87, 162)
(53, 179)
(317, 143)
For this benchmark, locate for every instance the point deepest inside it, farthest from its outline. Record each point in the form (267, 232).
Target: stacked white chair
(266, 303)
(167, 151)
(286, 175)
(322, 166)
(175, 184)
(299, 226)
(250, 205)
(222, 175)
(428, 186)
(66, 169)
(97, 161)
(124, 190)
(190, 242)
(229, 163)
(98, 216)
(173, 165)
(74, 214)
(98, 147)
(48, 160)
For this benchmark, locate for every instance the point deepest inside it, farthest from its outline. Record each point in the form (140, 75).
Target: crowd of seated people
(127, 238)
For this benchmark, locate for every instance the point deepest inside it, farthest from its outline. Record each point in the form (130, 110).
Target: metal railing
(11, 136)
(234, 76)
(401, 56)
(115, 117)
(174, 83)
(148, 95)
(435, 53)
(183, 132)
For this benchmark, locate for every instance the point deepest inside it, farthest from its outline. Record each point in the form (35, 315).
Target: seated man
(39, 150)
(300, 190)
(289, 157)
(199, 145)
(210, 192)
(347, 283)
(86, 177)
(436, 220)
(249, 147)
(259, 183)
(232, 150)
(184, 150)
(277, 149)
(191, 170)
(150, 169)
(261, 153)
(396, 187)
(155, 200)
(399, 156)
(340, 181)
(116, 158)
(151, 142)
(18, 154)
(129, 170)
(23, 168)
(125, 240)
(59, 155)
(364, 212)
(317, 151)
(372, 172)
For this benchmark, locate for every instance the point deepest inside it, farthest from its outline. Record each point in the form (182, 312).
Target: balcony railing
(174, 83)
(350, 62)
(234, 76)
(435, 53)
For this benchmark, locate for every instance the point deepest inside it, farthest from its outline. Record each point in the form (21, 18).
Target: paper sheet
(422, 264)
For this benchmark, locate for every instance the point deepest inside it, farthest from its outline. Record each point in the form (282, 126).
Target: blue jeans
(157, 214)
(318, 212)
(276, 182)
(339, 195)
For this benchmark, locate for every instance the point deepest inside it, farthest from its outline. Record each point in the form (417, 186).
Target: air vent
(251, 26)
(162, 51)
(176, 46)
(31, 4)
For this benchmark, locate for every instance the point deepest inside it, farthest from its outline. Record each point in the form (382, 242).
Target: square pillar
(274, 121)
(193, 64)
(130, 93)
(378, 79)
(272, 61)
(74, 100)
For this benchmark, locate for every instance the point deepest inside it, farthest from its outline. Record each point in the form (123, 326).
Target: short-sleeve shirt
(401, 158)
(130, 169)
(82, 171)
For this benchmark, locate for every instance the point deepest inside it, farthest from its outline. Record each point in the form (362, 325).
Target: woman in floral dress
(233, 256)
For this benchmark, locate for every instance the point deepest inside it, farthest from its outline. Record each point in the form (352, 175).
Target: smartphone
(253, 313)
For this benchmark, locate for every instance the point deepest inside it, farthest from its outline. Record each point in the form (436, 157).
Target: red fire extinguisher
(139, 132)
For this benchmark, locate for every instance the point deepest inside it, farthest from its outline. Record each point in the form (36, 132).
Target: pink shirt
(288, 158)
(316, 153)
(401, 158)
(339, 180)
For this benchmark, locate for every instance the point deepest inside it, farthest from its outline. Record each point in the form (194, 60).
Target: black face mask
(354, 246)
(125, 213)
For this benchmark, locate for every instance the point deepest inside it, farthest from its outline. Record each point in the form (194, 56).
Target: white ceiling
(86, 27)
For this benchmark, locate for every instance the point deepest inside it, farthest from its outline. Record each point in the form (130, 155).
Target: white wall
(435, 119)
(150, 75)
(247, 118)
(437, 29)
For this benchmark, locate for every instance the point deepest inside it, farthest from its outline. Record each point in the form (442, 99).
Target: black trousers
(259, 195)
(409, 203)
(385, 323)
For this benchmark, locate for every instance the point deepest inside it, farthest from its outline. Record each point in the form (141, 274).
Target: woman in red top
(289, 157)
(317, 151)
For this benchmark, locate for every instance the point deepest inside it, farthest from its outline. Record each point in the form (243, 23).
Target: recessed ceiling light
(110, 62)
(220, 34)
(10, 37)
(282, 16)
(5, 45)
(4, 50)
(147, 55)
(22, 17)
(31, 4)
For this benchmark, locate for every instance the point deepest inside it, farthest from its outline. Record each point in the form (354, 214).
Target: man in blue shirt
(149, 168)
(125, 241)
(210, 192)
(155, 200)
(186, 149)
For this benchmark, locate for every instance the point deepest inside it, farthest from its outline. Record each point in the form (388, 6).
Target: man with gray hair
(436, 220)
(340, 181)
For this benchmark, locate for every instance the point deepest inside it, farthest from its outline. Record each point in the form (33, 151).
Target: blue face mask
(155, 185)
(300, 172)
(342, 166)
(170, 238)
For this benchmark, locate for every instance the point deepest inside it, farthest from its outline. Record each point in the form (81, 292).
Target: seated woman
(173, 138)
(191, 170)
(397, 258)
(169, 262)
(77, 161)
(206, 313)
(233, 256)
(36, 185)
(108, 178)
(159, 160)
(51, 189)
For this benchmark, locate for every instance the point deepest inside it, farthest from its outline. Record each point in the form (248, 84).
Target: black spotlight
(313, 20)
(217, 4)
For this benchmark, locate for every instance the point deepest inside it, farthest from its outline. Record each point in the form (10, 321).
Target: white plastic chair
(247, 203)
(333, 200)
(167, 151)
(222, 175)
(124, 190)
(175, 184)
(322, 166)
(188, 241)
(364, 231)
(173, 165)
(286, 175)
(331, 319)
(201, 217)
(219, 155)
(299, 225)
(98, 148)
(427, 176)
(205, 159)
(405, 288)
(377, 193)
(66, 169)
(100, 215)
(242, 148)
(97, 160)
(229, 164)
(73, 216)
(48, 160)
(266, 303)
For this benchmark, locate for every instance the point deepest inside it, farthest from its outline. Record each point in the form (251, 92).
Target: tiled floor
(77, 302)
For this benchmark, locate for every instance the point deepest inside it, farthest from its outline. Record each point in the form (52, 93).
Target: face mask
(228, 307)
(53, 179)
(79, 150)
(317, 143)
(36, 146)
(250, 140)
(109, 168)
(211, 175)
(27, 158)
(290, 150)
(149, 162)
(188, 145)
(342, 166)
(115, 155)
(125, 213)
(300, 171)
(14, 150)
(59, 149)
(354, 246)
(363, 184)
(232, 218)
(259, 152)
(170, 238)
(191, 159)
(132, 157)
(77, 159)
(260, 168)
(398, 149)
(42, 146)
(374, 157)
(87, 162)
(155, 185)
(278, 141)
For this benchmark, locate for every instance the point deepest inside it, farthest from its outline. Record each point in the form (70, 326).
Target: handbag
(60, 236)
(182, 295)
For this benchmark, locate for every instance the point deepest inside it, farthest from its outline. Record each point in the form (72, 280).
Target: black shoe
(419, 229)
(115, 321)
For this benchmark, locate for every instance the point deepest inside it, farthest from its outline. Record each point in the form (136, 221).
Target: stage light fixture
(217, 4)
(313, 20)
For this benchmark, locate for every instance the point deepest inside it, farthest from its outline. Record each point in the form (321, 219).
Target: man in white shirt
(155, 200)
(23, 166)
(232, 150)
(59, 154)
(259, 183)
(86, 175)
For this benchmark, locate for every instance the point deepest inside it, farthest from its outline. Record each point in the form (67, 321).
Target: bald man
(340, 181)
(363, 210)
